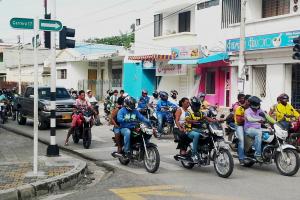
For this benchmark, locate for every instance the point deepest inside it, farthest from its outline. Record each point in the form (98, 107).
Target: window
(272, 8)
(93, 64)
(231, 12)
(62, 74)
(116, 77)
(184, 21)
(138, 22)
(207, 4)
(1, 57)
(158, 25)
(259, 81)
(210, 83)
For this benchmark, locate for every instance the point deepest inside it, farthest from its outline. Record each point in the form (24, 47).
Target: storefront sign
(147, 64)
(269, 41)
(164, 69)
(186, 52)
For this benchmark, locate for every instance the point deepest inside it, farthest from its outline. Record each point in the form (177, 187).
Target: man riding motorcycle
(239, 120)
(204, 104)
(285, 112)
(252, 126)
(162, 104)
(173, 98)
(144, 100)
(128, 117)
(81, 104)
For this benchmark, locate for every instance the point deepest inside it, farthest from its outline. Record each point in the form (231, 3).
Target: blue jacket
(129, 119)
(143, 102)
(162, 103)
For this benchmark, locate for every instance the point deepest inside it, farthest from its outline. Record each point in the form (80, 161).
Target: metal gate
(296, 86)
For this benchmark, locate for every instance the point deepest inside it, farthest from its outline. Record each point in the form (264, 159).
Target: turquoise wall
(136, 79)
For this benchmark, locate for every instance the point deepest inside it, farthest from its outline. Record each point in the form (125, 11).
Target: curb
(47, 186)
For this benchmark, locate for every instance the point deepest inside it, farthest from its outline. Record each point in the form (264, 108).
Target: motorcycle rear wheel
(87, 138)
(221, 170)
(281, 164)
(152, 163)
(75, 137)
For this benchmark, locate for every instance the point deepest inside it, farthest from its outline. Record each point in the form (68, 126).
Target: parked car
(64, 106)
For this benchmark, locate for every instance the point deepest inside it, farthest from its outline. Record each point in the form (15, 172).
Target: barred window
(259, 81)
(61, 74)
(158, 20)
(272, 8)
(185, 21)
(207, 4)
(210, 85)
(231, 12)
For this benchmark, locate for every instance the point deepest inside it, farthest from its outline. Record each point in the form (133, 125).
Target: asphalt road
(171, 181)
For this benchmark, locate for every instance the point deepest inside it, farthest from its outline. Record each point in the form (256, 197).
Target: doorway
(296, 86)
(92, 80)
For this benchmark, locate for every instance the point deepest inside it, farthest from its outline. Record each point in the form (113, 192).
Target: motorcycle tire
(289, 153)
(228, 172)
(152, 151)
(249, 163)
(21, 120)
(87, 138)
(14, 116)
(75, 137)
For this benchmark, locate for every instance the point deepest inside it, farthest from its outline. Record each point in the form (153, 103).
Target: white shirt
(174, 101)
(153, 101)
(91, 100)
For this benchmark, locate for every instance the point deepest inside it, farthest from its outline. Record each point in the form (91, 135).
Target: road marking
(140, 170)
(135, 193)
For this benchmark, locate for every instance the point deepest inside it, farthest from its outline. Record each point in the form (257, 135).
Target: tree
(124, 39)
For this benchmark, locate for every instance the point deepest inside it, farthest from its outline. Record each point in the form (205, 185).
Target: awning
(151, 57)
(183, 62)
(214, 58)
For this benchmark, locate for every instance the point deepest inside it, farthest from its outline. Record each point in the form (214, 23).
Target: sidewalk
(16, 179)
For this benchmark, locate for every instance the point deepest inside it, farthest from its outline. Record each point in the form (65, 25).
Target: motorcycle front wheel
(152, 162)
(87, 138)
(223, 163)
(287, 165)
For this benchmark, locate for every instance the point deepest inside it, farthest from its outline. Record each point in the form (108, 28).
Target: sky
(90, 18)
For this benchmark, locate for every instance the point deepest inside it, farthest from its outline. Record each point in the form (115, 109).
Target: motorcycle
(293, 132)
(168, 122)
(95, 106)
(3, 112)
(83, 131)
(141, 149)
(211, 147)
(274, 147)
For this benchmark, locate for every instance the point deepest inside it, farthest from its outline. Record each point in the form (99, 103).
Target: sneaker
(242, 163)
(259, 159)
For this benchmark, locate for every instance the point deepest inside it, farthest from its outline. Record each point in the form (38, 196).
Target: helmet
(173, 93)
(284, 97)
(155, 94)
(163, 96)
(129, 103)
(110, 92)
(195, 104)
(254, 102)
(201, 94)
(144, 92)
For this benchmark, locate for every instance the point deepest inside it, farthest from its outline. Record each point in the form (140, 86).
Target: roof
(88, 49)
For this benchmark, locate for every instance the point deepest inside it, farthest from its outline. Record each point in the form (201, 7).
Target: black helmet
(129, 103)
(195, 104)
(284, 97)
(173, 93)
(254, 102)
(163, 96)
(155, 94)
(201, 94)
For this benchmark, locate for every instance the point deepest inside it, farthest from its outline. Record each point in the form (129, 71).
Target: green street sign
(50, 25)
(22, 23)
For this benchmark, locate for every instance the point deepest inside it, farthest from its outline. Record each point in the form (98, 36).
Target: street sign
(22, 23)
(44, 24)
(50, 25)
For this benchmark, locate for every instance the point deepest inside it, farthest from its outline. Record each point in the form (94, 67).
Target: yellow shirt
(239, 111)
(282, 110)
(204, 106)
(193, 116)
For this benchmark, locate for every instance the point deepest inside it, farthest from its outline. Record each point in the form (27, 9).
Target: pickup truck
(64, 106)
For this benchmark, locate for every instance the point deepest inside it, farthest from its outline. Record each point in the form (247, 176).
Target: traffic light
(47, 34)
(296, 49)
(64, 42)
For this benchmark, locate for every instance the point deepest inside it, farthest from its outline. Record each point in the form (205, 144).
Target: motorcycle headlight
(87, 119)
(280, 133)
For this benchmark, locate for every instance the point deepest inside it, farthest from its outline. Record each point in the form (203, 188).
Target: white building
(214, 26)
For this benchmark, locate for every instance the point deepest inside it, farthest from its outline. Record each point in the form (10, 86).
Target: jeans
(160, 118)
(240, 135)
(257, 134)
(126, 134)
(195, 137)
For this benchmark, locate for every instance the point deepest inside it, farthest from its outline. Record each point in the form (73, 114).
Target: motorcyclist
(154, 99)
(285, 112)
(272, 111)
(241, 101)
(239, 120)
(121, 98)
(113, 101)
(173, 98)
(204, 104)
(161, 111)
(109, 93)
(252, 125)
(144, 100)
(128, 117)
(81, 104)
(93, 101)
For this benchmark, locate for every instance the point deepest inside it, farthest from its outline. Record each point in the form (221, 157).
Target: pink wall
(219, 96)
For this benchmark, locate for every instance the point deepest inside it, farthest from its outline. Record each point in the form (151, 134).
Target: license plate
(66, 116)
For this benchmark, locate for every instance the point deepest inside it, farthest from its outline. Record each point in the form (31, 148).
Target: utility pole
(241, 67)
(53, 149)
(19, 49)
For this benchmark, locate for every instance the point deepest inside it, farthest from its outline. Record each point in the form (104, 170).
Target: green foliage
(122, 40)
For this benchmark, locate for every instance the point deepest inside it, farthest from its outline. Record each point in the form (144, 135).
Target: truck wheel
(43, 125)
(21, 120)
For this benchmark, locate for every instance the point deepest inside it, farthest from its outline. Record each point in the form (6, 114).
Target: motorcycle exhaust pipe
(180, 157)
(117, 155)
